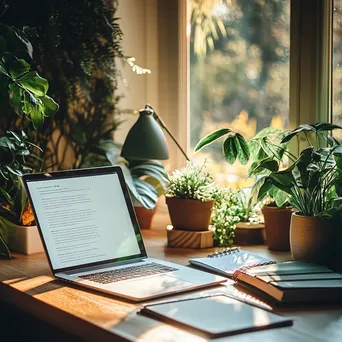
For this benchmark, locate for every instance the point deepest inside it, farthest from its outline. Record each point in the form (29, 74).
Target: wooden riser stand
(189, 239)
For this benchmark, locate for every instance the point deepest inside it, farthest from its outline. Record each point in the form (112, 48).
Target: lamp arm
(162, 124)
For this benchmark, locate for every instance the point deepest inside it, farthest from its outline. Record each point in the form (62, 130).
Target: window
(337, 64)
(239, 74)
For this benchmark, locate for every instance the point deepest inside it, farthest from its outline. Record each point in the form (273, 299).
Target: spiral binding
(224, 252)
(248, 267)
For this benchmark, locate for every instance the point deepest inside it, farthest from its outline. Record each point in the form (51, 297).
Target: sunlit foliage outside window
(239, 74)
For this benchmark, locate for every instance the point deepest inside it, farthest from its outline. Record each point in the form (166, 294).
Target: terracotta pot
(247, 233)
(277, 227)
(189, 214)
(310, 237)
(144, 216)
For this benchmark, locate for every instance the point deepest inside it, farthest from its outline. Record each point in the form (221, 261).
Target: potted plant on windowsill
(313, 183)
(228, 212)
(189, 197)
(250, 229)
(266, 147)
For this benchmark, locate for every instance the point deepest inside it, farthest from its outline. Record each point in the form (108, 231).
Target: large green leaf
(49, 107)
(152, 168)
(36, 84)
(210, 138)
(298, 130)
(264, 189)
(18, 68)
(283, 180)
(279, 196)
(326, 126)
(141, 192)
(230, 149)
(243, 153)
(302, 163)
(28, 102)
(15, 97)
(37, 115)
(266, 164)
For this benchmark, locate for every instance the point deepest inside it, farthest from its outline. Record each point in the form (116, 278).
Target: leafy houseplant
(76, 45)
(145, 180)
(313, 183)
(266, 147)
(189, 197)
(228, 211)
(22, 92)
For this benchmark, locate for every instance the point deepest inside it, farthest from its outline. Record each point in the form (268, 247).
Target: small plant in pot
(314, 186)
(276, 209)
(228, 211)
(189, 197)
(250, 229)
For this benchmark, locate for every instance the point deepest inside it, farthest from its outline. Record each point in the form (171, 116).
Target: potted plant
(250, 229)
(22, 92)
(189, 197)
(266, 147)
(145, 180)
(227, 212)
(313, 183)
(276, 208)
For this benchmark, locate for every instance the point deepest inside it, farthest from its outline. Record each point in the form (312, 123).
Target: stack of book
(293, 281)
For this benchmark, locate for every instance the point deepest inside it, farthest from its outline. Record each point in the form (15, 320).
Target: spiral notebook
(229, 260)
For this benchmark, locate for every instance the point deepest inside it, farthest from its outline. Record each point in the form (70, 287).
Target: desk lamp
(146, 140)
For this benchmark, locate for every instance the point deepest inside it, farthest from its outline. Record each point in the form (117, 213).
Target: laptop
(92, 238)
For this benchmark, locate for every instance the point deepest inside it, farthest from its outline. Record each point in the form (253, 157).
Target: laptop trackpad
(146, 287)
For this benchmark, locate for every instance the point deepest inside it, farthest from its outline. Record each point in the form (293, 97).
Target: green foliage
(23, 95)
(145, 179)
(234, 146)
(265, 151)
(190, 182)
(26, 90)
(75, 44)
(313, 182)
(227, 212)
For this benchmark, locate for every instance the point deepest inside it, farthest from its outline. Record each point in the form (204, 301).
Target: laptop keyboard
(130, 272)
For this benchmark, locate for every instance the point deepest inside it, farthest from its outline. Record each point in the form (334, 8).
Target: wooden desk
(26, 283)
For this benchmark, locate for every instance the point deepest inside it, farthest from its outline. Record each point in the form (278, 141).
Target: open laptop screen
(84, 218)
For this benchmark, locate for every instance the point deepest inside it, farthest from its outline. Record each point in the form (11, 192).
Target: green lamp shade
(145, 140)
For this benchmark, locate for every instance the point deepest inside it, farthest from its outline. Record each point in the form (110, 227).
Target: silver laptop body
(91, 236)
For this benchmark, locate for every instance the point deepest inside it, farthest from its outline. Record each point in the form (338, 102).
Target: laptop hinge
(104, 266)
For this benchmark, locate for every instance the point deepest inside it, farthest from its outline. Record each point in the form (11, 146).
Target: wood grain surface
(27, 283)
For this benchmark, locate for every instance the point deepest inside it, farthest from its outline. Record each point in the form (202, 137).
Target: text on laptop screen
(84, 219)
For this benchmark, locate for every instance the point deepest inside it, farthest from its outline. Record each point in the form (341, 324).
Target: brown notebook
(215, 316)
(293, 281)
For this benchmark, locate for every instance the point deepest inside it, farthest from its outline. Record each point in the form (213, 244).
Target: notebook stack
(293, 281)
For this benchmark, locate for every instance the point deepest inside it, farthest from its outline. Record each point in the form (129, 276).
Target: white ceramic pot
(26, 240)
